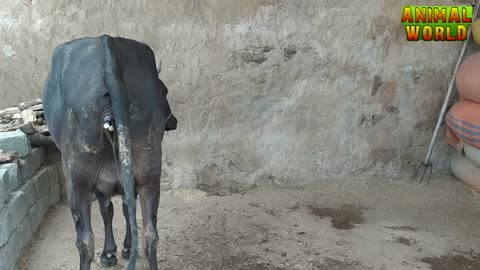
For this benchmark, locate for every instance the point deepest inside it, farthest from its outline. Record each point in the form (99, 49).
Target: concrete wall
(26, 193)
(287, 92)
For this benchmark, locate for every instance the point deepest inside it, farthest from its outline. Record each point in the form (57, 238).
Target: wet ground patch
(402, 228)
(405, 241)
(454, 262)
(246, 261)
(332, 264)
(344, 218)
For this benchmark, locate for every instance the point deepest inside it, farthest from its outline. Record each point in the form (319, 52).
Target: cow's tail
(118, 95)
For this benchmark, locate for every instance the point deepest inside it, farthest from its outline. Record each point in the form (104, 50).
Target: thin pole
(450, 87)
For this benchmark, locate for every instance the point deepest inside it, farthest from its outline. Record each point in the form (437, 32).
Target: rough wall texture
(289, 92)
(26, 192)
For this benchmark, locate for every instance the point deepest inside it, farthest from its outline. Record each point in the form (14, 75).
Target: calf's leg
(127, 242)
(108, 257)
(79, 197)
(149, 198)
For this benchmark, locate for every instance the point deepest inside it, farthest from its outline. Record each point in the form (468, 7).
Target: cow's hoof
(126, 253)
(108, 260)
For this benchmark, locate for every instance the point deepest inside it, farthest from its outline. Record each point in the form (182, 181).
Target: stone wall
(266, 91)
(28, 187)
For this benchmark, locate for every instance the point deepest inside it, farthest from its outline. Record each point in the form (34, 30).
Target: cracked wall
(287, 92)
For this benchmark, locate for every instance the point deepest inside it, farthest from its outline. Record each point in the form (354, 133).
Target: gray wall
(290, 92)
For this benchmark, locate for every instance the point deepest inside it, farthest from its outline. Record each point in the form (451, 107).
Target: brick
(43, 205)
(9, 253)
(24, 231)
(35, 216)
(44, 179)
(54, 194)
(15, 141)
(30, 190)
(17, 207)
(5, 225)
(13, 180)
(32, 163)
(14, 211)
(3, 188)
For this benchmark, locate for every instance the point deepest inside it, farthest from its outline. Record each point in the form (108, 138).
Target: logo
(437, 23)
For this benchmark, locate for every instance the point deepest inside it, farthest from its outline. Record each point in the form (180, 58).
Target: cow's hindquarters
(120, 109)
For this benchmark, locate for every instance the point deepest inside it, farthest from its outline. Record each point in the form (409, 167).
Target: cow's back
(75, 91)
(136, 61)
(75, 83)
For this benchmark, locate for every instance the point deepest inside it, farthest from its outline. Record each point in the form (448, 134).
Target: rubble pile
(29, 118)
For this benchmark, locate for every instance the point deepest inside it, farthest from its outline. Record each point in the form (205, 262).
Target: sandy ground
(351, 224)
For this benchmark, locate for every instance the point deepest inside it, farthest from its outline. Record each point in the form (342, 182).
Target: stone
(40, 121)
(42, 130)
(5, 121)
(3, 188)
(44, 179)
(27, 128)
(28, 116)
(10, 111)
(35, 216)
(12, 214)
(9, 253)
(10, 125)
(30, 190)
(5, 224)
(16, 141)
(38, 107)
(40, 140)
(54, 194)
(13, 175)
(7, 157)
(17, 207)
(24, 232)
(44, 204)
(29, 103)
(32, 163)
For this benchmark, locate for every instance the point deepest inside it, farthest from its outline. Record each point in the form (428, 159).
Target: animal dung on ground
(27, 116)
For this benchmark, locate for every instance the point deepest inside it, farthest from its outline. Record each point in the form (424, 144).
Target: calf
(107, 112)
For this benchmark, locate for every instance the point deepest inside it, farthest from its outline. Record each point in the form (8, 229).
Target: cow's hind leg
(127, 242)
(149, 198)
(79, 197)
(108, 257)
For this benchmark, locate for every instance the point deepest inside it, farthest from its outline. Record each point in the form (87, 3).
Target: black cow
(107, 112)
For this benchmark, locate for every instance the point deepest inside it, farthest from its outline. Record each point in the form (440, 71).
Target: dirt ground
(351, 224)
